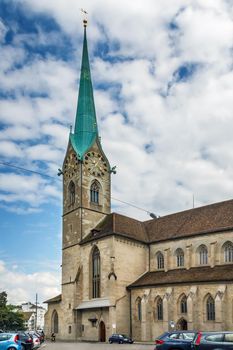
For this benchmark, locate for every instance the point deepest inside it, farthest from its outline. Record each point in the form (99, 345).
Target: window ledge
(96, 206)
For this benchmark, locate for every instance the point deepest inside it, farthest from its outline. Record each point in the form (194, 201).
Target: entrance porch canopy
(94, 304)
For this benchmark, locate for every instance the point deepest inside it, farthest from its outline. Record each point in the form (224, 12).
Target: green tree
(10, 317)
(3, 299)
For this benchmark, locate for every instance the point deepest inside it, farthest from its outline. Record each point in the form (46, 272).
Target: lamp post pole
(36, 312)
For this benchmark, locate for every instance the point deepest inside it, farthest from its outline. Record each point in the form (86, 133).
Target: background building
(29, 320)
(34, 315)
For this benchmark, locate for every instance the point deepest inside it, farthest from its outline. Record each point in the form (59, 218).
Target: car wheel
(110, 341)
(120, 342)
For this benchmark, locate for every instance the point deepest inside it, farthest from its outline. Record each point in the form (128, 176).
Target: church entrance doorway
(182, 325)
(102, 332)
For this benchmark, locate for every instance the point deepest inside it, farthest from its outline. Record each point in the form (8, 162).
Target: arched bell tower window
(71, 191)
(96, 273)
(95, 190)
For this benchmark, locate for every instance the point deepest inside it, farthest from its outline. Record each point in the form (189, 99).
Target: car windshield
(174, 336)
(163, 335)
(188, 336)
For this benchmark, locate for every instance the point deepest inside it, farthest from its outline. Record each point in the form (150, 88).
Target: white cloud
(58, 133)
(43, 152)
(170, 138)
(10, 149)
(32, 190)
(13, 281)
(18, 133)
(11, 56)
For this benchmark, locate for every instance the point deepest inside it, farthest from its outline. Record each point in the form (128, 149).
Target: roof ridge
(191, 210)
(196, 274)
(128, 217)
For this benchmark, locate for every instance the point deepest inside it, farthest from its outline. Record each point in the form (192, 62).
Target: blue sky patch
(149, 147)
(20, 22)
(185, 72)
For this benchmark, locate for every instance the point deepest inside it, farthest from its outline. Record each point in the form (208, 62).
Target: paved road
(94, 346)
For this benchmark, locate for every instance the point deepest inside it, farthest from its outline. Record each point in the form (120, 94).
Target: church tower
(86, 178)
(96, 268)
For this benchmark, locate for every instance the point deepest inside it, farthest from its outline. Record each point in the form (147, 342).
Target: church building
(121, 275)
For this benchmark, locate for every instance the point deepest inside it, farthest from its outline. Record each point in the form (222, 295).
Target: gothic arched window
(203, 255)
(228, 252)
(55, 322)
(210, 309)
(180, 257)
(95, 189)
(183, 305)
(139, 308)
(160, 261)
(159, 309)
(96, 273)
(71, 193)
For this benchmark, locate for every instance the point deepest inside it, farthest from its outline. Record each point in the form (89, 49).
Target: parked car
(26, 340)
(213, 340)
(35, 339)
(41, 334)
(10, 341)
(179, 340)
(120, 339)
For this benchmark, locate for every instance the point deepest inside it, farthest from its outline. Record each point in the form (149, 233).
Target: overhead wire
(28, 170)
(58, 179)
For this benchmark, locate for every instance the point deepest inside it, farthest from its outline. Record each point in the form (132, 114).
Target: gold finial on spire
(85, 13)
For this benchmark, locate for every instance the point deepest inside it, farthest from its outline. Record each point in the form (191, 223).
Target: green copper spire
(85, 131)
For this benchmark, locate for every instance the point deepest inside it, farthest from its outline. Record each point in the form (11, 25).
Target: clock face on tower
(70, 166)
(95, 164)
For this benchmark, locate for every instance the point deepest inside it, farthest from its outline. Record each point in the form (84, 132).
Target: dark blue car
(120, 339)
(178, 340)
(213, 341)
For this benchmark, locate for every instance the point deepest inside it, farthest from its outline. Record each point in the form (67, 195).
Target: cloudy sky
(162, 74)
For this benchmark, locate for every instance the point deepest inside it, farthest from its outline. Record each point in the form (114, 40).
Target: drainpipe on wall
(149, 257)
(130, 315)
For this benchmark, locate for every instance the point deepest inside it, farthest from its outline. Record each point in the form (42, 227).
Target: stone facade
(196, 294)
(149, 326)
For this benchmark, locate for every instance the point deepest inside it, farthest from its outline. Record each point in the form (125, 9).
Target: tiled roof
(120, 225)
(210, 218)
(222, 273)
(56, 299)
